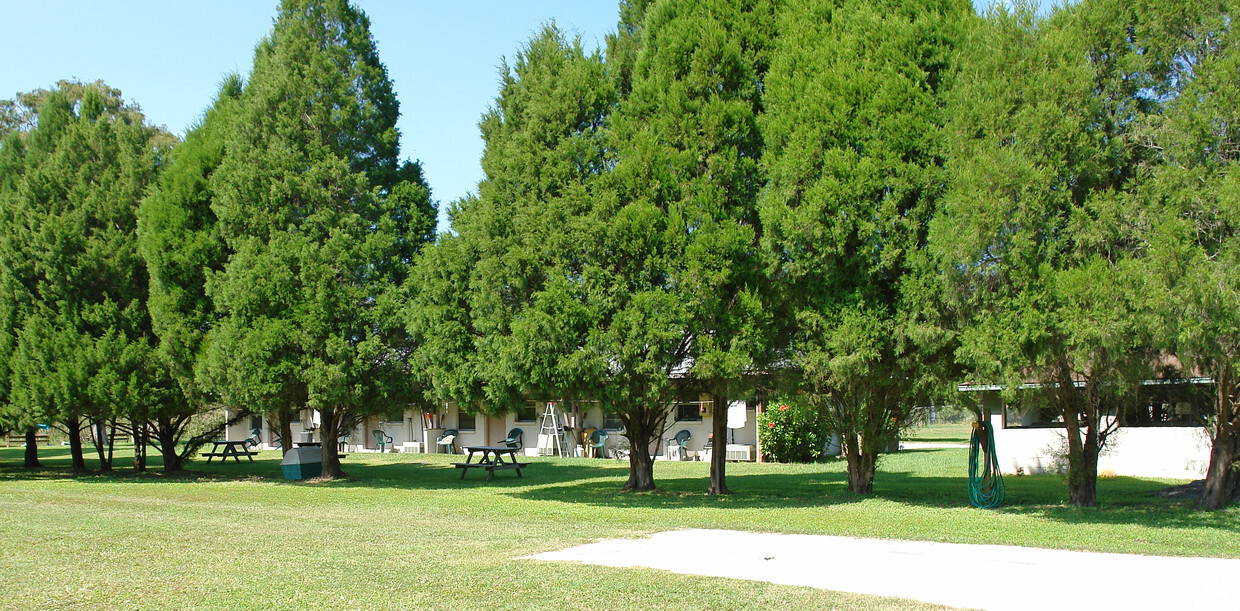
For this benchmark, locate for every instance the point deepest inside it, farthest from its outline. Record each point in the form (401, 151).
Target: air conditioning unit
(739, 452)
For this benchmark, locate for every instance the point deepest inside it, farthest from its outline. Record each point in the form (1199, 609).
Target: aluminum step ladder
(551, 439)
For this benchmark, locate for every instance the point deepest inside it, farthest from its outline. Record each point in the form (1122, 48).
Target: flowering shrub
(792, 433)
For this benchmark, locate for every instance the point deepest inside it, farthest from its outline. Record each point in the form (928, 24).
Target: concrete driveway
(973, 576)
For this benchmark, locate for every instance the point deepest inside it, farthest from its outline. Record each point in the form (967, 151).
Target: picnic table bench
(223, 448)
(492, 458)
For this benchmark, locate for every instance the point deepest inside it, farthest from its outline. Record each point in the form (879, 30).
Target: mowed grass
(405, 531)
(959, 432)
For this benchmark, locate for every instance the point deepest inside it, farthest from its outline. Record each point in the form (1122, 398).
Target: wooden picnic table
(223, 448)
(492, 458)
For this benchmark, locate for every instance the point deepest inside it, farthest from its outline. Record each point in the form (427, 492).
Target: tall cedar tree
(1192, 190)
(12, 167)
(521, 289)
(440, 318)
(320, 222)
(77, 325)
(1031, 234)
(179, 239)
(679, 270)
(853, 128)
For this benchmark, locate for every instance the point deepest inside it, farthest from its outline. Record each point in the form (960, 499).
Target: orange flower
(783, 408)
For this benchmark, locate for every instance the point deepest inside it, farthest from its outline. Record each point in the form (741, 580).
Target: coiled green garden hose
(986, 488)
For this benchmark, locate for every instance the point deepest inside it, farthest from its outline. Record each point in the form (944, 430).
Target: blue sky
(170, 56)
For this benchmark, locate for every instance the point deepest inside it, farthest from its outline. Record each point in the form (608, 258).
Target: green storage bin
(302, 463)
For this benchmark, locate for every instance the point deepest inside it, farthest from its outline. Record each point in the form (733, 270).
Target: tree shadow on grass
(1123, 500)
(394, 471)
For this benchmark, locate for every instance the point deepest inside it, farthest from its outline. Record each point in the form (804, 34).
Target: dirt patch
(1190, 491)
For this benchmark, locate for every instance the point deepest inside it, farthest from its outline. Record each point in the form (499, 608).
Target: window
(256, 422)
(1165, 411)
(1031, 412)
(527, 412)
(466, 421)
(611, 422)
(1169, 405)
(688, 412)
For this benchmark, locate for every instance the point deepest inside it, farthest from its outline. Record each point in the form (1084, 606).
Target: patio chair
(447, 440)
(598, 443)
(342, 442)
(679, 443)
(382, 440)
(514, 438)
(256, 437)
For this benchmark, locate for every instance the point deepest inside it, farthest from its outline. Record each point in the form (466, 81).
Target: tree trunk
(641, 469)
(110, 433)
(1083, 471)
(641, 464)
(32, 450)
(719, 449)
(1082, 453)
(99, 433)
(168, 448)
(1222, 478)
(139, 448)
(1083, 481)
(286, 435)
(860, 466)
(328, 437)
(74, 426)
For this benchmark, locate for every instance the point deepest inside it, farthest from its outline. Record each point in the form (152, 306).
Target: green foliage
(75, 288)
(793, 432)
(678, 269)
(319, 220)
(1190, 216)
(865, 195)
(20, 115)
(854, 149)
(180, 242)
(1033, 237)
(498, 307)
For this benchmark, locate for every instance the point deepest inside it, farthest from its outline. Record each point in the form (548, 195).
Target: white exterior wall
(700, 431)
(1175, 452)
(491, 430)
(362, 438)
(403, 431)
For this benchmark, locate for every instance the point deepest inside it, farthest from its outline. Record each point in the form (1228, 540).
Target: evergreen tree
(320, 221)
(80, 336)
(440, 319)
(180, 243)
(853, 130)
(12, 166)
(1192, 220)
(1031, 235)
(678, 270)
(500, 313)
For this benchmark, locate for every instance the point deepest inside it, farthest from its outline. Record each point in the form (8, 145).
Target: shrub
(792, 432)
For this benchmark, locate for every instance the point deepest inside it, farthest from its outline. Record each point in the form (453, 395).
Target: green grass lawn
(942, 433)
(404, 531)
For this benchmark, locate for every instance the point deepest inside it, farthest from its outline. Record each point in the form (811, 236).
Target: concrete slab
(995, 577)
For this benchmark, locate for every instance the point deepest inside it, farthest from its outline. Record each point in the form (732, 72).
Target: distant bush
(792, 432)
